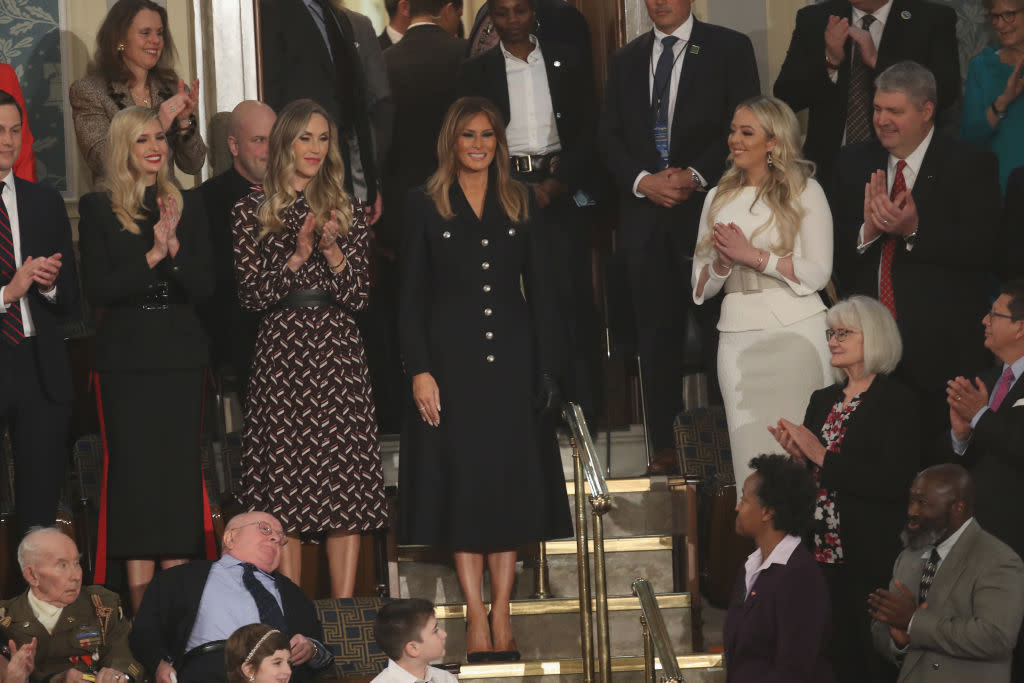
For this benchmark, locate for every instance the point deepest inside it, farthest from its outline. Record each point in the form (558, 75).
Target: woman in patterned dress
(311, 456)
(856, 440)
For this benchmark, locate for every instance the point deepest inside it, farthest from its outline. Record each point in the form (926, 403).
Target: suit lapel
(313, 34)
(555, 65)
(934, 159)
(952, 567)
(692, 64)
(637, 87)
(893, 34)
(494, 68)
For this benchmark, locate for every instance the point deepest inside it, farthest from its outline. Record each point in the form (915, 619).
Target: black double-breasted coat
(476, 313)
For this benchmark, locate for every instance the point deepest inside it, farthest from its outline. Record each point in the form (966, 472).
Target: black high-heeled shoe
(501, 655)
(480, 656)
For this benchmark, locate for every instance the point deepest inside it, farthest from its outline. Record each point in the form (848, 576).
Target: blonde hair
(124, 180)
(512, 195)
(782, 185)
(324, 192)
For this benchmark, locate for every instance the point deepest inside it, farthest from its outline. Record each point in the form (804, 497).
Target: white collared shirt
(755, 564)
(531, 125)
(11, 201)
(394, 35)
(48, 615)
(394, 673)
(947, 545)
(910, 172)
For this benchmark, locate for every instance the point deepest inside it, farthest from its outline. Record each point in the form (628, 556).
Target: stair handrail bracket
(655, 633)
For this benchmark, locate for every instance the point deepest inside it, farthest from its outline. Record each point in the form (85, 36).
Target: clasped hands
(41, 271)
(669, 187)
(732, 246)
(895, 609)
(180, 106)
(800, 442)
(965, 399)
(326, 242)
(889, 216)
(836, 33)
(165, 232)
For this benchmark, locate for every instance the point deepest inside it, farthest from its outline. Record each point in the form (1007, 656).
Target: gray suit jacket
(975, 606)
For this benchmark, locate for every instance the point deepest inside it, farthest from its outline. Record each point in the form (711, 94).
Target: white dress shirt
(394, 35)
(679, 51)
(396, 674)
(910, 172)
(11, 201)
(756, 563)
(531, 125)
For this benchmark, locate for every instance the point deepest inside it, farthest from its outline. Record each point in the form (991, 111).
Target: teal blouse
(986, 80)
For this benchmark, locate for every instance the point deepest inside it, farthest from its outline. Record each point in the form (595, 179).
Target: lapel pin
(695, 49)
(556, 64)
(356, 42)
(905, 15)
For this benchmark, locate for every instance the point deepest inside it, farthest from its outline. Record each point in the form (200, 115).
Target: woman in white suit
(766, 239)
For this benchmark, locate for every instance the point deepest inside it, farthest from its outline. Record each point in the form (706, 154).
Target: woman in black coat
(479, 469)
(859, 441)
(145, 262)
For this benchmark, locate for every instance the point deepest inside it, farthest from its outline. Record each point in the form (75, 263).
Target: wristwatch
(830, 65)
(999, 114)
(696, 179)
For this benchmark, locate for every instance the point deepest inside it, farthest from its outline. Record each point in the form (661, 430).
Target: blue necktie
(660, 96)
(662, 74)
(266, 603)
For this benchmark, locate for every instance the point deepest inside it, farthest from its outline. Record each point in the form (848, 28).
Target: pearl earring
(120, 48)
(771, 164)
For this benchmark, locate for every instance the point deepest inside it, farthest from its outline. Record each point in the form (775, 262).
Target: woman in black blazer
(859, 439)
(146, 262)
(479, 469)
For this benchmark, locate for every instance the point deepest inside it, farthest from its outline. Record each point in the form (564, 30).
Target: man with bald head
(954, 607)
(70, 630)
(189, 611)
(232, 329)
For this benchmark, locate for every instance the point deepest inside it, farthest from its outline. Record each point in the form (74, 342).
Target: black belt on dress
(530, 164)
(158, 297)
(200, 650)
(306, 298)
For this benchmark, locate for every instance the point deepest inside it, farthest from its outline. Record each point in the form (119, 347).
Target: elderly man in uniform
(73, 632)
(189, 611)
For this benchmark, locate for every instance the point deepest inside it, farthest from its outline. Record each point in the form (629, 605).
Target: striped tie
(10, 322)
(860, 93)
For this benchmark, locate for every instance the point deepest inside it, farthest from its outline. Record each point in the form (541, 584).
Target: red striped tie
(10, 322)
(885, 290)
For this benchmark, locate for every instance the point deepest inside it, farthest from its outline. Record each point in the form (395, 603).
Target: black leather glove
(549, 398)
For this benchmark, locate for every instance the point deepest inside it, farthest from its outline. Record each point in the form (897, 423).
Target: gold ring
(958, 398)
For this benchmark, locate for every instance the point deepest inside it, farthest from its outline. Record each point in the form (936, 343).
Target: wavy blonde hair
(781, 187)
(513, 195)
(324, 192)
(124, 181)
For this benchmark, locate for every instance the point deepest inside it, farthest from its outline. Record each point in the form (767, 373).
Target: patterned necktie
(858, 102)
(1004, 388)
(266, 603)
(928, 575)
(885, 290)
(10, 322)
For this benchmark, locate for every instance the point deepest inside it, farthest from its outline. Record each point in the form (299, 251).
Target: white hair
(883, 346)
(31, 545)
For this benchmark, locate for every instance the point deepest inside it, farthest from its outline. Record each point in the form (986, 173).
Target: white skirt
(768, 374)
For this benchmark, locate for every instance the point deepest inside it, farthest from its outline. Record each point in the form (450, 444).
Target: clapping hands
(165, 232)
(797, 440)
(327, 243)
(896, 216)
(179, 106)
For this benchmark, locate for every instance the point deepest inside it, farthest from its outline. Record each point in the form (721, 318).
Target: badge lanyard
(661, 127)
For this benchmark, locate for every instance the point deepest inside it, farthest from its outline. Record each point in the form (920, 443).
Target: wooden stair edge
(555, 667)
(617, 603)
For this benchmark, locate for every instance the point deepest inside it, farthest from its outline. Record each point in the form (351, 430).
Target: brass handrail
(655, 634)
(586, 467)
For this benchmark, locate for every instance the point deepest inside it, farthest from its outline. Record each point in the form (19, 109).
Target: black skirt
(154, 481)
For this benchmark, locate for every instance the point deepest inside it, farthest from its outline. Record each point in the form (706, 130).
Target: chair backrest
(348, 632)
(702, 437)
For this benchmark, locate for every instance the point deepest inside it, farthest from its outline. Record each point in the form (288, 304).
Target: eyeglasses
(841, 334)
(993, 314)
(268, 531)
(1007, 17)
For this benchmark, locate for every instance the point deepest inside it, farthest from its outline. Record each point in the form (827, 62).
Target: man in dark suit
(398, 23)
(551, 133)
(833, 60)
(231, 328)
(1012, 266)
(954, 606)
(38, 287)
(921, 236)
(310, 50)
(422, 69)
(664, 128)
(189, 611)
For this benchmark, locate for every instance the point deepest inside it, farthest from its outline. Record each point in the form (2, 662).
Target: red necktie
(1002, 390)
(10, 322)
(885, 290)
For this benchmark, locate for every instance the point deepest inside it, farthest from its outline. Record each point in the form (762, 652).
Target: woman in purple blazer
(778, 620)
